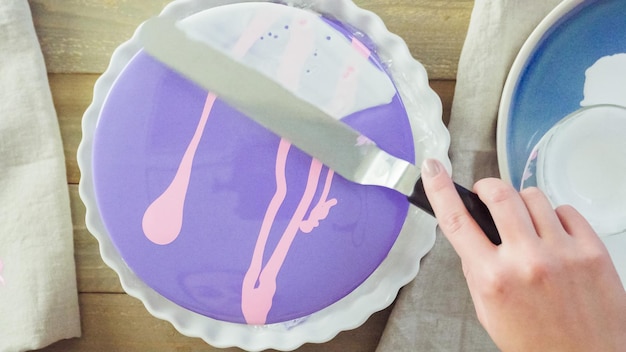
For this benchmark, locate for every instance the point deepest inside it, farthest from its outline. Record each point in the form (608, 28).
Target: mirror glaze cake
(219, 215)
(211, 219)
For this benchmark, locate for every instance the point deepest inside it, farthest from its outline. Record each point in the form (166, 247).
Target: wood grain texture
(116, 322)
(78, 37)
(93, 275)
(72, 94)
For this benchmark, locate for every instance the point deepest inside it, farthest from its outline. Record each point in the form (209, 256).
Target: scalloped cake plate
(574, 59)
(211, 221)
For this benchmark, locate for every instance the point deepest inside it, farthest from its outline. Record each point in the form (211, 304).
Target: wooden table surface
(77, 38)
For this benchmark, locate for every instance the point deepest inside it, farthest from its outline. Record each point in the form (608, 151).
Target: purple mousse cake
(226, 219)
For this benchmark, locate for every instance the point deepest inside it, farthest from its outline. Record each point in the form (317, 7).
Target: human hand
(550, 285)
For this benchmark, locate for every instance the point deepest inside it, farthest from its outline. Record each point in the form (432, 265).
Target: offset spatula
(306, 126)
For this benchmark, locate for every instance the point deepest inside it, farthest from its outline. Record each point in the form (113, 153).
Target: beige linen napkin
(435, 311)
(38, 295)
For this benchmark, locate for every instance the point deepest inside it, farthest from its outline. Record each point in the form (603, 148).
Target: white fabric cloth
(38, 294)
(435, 311)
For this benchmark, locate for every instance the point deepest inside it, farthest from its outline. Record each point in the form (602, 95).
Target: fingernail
(431, 168)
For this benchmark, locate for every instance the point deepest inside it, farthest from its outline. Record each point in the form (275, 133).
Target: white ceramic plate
(575, 58)
(379, 290)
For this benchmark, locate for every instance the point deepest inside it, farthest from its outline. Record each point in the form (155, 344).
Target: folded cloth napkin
(38, 295)
(435, 311)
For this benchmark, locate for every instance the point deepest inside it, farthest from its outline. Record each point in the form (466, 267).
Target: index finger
(455, 221)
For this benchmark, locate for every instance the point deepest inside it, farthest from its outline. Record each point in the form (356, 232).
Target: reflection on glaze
(345, 92)
(317, 78)
(296, 59)
(300, 46)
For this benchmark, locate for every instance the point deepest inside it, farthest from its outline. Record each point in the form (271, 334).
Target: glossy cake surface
(224, 218)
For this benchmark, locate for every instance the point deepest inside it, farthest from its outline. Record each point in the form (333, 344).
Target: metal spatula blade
(312, 130)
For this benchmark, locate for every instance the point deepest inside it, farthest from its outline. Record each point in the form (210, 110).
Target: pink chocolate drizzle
(259, 285)
(162, 221)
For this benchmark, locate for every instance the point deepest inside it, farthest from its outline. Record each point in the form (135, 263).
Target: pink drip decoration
(361, 48)
(322, 208)
(259, 285)
(163, 219)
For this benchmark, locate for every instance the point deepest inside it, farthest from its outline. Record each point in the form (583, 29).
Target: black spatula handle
(474, 205)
